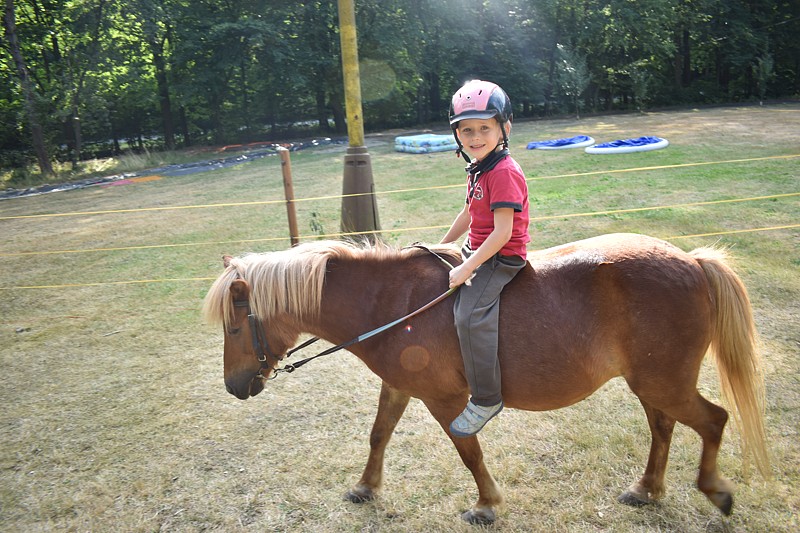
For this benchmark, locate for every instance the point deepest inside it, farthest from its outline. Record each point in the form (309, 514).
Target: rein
(263, 352)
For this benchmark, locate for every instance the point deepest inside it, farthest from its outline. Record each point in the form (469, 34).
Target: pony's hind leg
(391, 406)
(651, 486)
(708, 420)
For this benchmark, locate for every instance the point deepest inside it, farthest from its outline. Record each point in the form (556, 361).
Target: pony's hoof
(633, 499)
(359, 495)
(723, 501)
(478, 518)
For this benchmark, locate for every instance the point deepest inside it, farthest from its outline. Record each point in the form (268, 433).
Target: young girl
(495, 216)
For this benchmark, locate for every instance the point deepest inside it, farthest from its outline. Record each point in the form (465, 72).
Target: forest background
(83, 79)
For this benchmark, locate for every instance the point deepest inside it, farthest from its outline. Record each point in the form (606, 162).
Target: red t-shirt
(502, 186)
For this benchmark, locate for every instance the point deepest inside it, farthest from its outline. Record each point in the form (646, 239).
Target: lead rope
(289, 368)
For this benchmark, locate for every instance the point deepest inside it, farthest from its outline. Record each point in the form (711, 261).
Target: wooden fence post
(288, 191)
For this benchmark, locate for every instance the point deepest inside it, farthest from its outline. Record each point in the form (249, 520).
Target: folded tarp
(624, 146)
(579, 141)
(423, 144)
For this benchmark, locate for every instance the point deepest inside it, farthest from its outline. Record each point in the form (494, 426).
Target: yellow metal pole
(359, 207)
(352, 76)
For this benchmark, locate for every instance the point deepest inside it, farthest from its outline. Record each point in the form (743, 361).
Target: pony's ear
(240, 290)
(226, 260)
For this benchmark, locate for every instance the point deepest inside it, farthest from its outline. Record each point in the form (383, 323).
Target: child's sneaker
(473, 418)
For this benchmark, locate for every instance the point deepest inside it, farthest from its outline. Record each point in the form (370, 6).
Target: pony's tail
(734, 347)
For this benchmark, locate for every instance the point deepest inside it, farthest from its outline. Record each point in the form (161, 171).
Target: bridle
(264, 354)
(261, 346)
(259, 337)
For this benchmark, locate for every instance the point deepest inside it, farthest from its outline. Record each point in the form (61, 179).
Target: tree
(573, 76)
(314, 39)
(641, 80)
(81, 57)
(10, 26)
(155, 27)
(223, 71)
(764, 65)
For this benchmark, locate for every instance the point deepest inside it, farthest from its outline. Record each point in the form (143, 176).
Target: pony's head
(264, 301)
(261, 300)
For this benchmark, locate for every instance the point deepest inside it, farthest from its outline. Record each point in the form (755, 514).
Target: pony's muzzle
(244, 386)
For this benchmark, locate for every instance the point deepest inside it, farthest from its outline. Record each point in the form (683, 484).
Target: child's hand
(460, 275)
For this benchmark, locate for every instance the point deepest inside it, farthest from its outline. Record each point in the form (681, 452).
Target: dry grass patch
(115, 416)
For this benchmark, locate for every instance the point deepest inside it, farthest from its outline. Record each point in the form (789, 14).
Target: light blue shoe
(473, 418)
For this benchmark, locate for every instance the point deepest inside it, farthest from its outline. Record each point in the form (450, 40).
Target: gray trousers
(477, 314)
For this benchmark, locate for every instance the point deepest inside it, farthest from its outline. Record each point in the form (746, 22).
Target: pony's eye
(233, 331)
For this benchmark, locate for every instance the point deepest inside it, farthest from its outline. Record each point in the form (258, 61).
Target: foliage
(159, 74)
(641, 81)
(573, 75)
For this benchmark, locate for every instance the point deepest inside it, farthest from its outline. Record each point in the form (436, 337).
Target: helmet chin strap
(488, 162)
(476, 169)
(460, 148)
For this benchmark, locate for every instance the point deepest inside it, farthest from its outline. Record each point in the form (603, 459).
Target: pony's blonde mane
(288, 281)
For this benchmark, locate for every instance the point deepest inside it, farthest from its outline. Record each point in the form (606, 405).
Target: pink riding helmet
(479, 99)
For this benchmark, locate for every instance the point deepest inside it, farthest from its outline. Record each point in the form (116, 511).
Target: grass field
(115, 417)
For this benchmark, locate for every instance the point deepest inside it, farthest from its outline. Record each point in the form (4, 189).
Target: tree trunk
(677, 61)
(421, 115)
(723, 73)
(322, 112)
(77, 135)
(114, 137)
(550, 84)
(687, 59)
(75, 119)
(435, 105)
(339, 121)
(10, 25)
(217, 133)
(187, 140)
(163, 94)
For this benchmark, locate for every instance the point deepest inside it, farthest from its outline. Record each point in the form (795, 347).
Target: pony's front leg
(489, 494)
(391, 406)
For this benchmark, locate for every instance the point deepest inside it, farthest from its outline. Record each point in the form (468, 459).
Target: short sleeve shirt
(502, 186)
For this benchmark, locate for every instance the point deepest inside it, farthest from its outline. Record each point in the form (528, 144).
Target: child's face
(480, 136)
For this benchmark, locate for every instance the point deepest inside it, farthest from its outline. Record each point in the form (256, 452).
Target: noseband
(259, 339)
(261, 346)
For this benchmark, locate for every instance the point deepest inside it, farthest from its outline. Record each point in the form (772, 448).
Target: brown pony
(575, 317)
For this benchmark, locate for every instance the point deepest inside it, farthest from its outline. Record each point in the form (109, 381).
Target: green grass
(115, 415)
